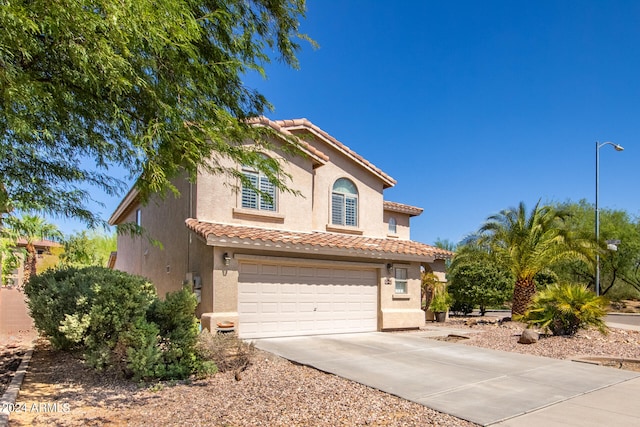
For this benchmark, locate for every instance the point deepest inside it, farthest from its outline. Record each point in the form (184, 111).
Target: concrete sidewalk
(480, 385)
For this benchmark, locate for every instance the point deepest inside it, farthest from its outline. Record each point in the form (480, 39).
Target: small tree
(530, 242)
(32, 228)
(429, 282)
(84, 249)
(480, 283)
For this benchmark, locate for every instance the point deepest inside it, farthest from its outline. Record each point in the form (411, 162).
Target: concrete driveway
(480, 385)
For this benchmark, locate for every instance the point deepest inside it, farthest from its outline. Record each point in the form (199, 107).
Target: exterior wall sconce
(226, 258)
(389, 268)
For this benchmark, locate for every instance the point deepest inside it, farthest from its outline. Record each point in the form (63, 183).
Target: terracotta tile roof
(277, 127)
(38, 243)
(402, 208)
(304, 124)
(290, 239)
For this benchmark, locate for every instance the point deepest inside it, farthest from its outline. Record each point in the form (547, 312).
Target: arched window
(264, 200)
(393, 225)
(344, 203)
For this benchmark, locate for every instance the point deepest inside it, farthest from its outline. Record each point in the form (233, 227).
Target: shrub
(60, 302)
(119, 305)
(178, 328)
(461, 307)
(118, 321)
(566, 308)
(479, 283)
(226, 351)
(441, 301)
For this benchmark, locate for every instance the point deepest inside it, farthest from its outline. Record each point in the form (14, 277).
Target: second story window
(393, 225)
(265, 199)
(344, 203)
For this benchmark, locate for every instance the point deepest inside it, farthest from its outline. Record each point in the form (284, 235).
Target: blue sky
(474, 106)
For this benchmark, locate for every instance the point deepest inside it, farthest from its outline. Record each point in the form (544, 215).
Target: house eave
(298, 249)
(124, 206)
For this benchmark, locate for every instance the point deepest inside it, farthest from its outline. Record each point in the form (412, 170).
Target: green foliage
(10, 260)
(31, 228)
(56, 294)
(118, 303)
(566, 308)
(144, 359)
(118, 321)
(478, 281)
(154, 87)
(619, 272)
(529, 242)
(84, 249)
(178, 328)
(441, 300)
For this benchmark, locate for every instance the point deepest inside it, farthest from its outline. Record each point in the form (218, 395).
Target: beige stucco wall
(162, 255)
(219, 198)
(370, 187)
(400, 311)
(402, 225)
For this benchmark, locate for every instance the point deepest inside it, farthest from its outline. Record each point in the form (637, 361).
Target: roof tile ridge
(307, 123)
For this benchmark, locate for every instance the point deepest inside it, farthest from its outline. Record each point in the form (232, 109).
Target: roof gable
(297, 126)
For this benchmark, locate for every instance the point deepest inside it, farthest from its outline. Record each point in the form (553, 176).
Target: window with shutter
(344, 203)
(252, 199)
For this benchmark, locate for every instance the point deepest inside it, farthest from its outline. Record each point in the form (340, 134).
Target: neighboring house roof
(306, 125)
(41, 244)
(316, 241)
(402, 208)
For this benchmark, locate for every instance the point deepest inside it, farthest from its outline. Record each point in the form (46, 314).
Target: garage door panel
(288, 288)
(289, 307)
(307, 307)
(306, 271)
(285, 300)
(287, 270)
(249, 268)
(324, 272)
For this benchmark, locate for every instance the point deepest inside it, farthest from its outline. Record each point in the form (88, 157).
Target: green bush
(566, 308)
(179, 331)
(118, 321)
(60, 302)
(461, 307)
(479, 283)
(441, 301)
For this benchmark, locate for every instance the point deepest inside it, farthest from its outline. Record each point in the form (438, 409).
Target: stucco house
(336, 258)
(44, 255)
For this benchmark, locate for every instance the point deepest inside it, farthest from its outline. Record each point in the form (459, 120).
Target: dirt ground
(625, 306)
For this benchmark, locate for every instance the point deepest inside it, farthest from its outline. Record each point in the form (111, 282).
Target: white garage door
(285, 300)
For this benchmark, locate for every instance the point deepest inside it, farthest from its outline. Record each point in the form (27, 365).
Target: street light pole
(598, 146)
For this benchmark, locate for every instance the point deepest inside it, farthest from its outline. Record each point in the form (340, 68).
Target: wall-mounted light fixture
(389, 268)
(226, 258)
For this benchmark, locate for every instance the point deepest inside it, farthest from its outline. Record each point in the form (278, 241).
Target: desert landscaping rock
(528, 336)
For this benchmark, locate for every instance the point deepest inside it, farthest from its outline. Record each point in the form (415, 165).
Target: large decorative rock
(529, 336)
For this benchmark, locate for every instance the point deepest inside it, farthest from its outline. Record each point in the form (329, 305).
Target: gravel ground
(60, 390)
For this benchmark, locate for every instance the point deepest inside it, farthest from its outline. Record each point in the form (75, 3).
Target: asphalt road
(625, 319)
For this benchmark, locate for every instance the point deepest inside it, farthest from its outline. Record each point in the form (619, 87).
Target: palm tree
(32, 228)
(529, 244)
